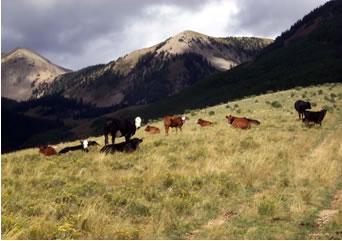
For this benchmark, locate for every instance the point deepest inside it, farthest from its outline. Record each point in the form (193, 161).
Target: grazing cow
(127, 146)
(314, 116)
(204, 123)
(119, 128)
(300, 107)
(152, 129)
(83, 146)
(173, 122)
(47, 150)
(241, 122)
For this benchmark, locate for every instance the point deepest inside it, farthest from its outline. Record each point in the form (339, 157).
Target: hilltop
(23, 70)
(276, 181)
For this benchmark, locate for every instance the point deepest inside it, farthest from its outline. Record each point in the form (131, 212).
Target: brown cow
(241, 122)
(204, 123)
(152, 129)
(47, 150)
(173, 122)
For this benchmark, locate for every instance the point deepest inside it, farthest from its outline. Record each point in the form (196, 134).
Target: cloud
(78, 33)
(270, 18)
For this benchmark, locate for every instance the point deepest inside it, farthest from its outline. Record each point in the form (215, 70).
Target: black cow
(301, 106)
(84, 146)
(119, 128)
(314, 116)
(127, 146)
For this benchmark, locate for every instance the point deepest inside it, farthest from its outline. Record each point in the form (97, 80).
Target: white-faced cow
(120, 128)
(83, 146)
(173, 122)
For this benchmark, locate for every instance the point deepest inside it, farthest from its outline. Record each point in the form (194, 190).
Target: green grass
(275, 178)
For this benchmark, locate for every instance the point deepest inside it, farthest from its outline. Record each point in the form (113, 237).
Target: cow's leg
(106, 138)
(127, 137)
(113, 138)
(299, 116)
(166, 130)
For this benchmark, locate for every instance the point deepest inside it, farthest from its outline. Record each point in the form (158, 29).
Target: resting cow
(315, 117)
(84, 146)
(300, 107)
(241, 122)
(204, 123)
(152, 129)
(173, 122)
(119, 128)
(47, 150)
(127, 146)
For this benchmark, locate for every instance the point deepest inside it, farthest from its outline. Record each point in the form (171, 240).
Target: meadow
(274, 181)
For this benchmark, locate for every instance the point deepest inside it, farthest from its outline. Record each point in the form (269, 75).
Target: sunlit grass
(275, 177)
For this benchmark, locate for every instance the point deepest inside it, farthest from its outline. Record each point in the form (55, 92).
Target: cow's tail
(255, 122)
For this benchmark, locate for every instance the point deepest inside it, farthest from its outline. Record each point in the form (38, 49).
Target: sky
(78, 33)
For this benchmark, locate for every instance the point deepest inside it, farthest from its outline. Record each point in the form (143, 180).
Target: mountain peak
(23, 70)
(189, 34)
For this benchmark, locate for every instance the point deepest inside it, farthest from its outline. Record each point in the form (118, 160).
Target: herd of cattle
(127, 128)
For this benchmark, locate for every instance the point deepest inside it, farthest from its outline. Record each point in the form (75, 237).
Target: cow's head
(84, 144)
(230, 118)
(137, 122)
(308, 105)
(42, 147)
(148, 128)
(183, 119)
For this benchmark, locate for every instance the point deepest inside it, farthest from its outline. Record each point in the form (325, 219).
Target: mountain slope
(149, 74)
(310, 53)
(22, 70)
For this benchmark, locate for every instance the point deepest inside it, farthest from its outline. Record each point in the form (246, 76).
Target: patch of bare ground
(325, 216)
(219, 220)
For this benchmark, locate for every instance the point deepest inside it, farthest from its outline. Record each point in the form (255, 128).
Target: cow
(121, 127)
(300, 107)
(316, 117)
(241, 122)
(204, 123)
(83, 146)
(47, 150)
(173, 122)
(152, 129)
(127, 146)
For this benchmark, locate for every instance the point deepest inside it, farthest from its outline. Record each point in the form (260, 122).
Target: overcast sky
(78, 33)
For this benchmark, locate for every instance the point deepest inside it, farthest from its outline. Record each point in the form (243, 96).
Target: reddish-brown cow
(47, 150)
(241, 122)
(173, 122)
(204, 123)
(152, 129)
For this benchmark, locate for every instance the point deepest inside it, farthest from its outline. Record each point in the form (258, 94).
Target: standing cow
(315, 117)
(119, 128)
(301, 106)
(173, 122)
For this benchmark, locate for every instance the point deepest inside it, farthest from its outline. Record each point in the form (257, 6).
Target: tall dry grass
(273, 178)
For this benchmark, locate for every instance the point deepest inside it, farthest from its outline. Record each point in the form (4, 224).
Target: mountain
(149, 74)
(22, 70)
(309, 53)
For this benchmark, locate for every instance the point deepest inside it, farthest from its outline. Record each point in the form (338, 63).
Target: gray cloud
(270, 18)
(77, 33)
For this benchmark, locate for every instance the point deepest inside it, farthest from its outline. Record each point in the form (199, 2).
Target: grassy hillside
(274, 181)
